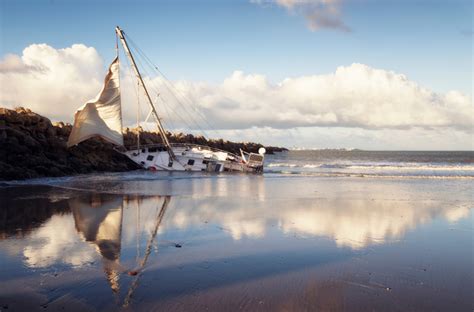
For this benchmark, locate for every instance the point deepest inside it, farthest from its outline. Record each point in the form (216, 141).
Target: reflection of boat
(103, 117)
(99, 221)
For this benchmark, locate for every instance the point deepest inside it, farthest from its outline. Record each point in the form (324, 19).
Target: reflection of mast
(99, 221)
(149, 244)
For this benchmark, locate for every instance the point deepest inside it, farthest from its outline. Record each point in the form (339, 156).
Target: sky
(391, 75)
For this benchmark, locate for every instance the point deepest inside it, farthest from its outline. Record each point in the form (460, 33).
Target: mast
(163, 135)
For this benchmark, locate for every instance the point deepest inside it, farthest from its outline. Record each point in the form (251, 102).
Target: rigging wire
(137, 93)
(153, 87)
(138, 115)
(167, 113)
(170, 86)
(183, 108)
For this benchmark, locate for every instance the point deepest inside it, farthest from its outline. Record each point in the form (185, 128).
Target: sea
(373, 164)
(319, 230)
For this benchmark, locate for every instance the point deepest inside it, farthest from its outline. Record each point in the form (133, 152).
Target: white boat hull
(193, 158)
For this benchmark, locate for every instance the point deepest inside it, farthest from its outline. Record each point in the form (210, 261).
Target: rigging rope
(183, 108)
(169, 86)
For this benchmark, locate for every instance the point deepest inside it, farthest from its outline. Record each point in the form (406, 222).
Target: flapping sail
(102, 116)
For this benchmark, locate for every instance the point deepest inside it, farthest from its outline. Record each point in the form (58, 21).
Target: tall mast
(163, 135)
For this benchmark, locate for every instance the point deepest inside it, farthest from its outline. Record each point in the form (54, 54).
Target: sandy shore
(253, 243)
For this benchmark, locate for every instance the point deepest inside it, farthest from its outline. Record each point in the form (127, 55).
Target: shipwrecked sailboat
(102, 117)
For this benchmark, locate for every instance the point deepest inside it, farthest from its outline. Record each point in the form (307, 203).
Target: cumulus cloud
(55, 82)
(319, 14)
(355, 96)
(50, 81)
(14, 64)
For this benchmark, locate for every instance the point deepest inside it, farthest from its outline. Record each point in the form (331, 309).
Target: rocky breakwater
(31, 146)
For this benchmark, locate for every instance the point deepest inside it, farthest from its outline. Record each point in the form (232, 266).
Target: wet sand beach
(146, 241)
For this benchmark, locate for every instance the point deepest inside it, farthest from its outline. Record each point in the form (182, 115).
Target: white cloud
(51, 81)
(319, 14)
(355, 96)
(372, 104)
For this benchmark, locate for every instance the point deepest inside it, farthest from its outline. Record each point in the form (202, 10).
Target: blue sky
(430, 42)
(207, 40)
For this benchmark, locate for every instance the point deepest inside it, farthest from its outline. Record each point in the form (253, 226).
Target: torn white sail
(102, 116)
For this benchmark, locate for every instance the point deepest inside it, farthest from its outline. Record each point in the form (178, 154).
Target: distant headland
(31, 146)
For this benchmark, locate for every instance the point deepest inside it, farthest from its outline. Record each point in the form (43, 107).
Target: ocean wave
(270, 173)
(376, 166)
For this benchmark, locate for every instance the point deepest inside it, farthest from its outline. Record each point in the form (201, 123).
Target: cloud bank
(55, 82)
(355, 96)
(319, 14)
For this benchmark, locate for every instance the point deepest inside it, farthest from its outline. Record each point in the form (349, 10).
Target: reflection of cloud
(350, 222)
(355, 223)
(359, 223)
(234, 220)
(249, 228)
(57, 242)
(456, 214)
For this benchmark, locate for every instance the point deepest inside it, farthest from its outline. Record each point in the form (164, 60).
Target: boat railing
(185, 145)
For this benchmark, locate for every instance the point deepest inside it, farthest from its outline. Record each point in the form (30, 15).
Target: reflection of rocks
(31, 146)
(21, 213)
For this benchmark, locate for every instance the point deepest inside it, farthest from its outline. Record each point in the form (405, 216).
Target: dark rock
(31, 147)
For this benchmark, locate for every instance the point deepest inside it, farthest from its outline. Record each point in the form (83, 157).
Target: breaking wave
(372, 169)
(376, 166)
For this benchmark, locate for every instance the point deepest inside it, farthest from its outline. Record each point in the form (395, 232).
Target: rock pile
(31, 147)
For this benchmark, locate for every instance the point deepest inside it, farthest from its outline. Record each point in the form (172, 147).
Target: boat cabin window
(255, 157)
(152, 150)
(191, 162)
(150, 157)
(143, 150)
(205, 161)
